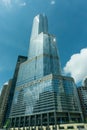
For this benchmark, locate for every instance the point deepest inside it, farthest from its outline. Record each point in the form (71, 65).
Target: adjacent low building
(82, 91)
(20, 60)
(7, 93)
(4, 102)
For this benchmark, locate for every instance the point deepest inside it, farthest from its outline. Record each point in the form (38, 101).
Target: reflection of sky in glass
(32, 93)
(44, 95)
(15, 98)
(43, 61)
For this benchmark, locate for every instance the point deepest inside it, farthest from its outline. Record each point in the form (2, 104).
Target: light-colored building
(7, 93)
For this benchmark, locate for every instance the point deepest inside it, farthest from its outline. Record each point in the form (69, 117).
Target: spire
(40, 24)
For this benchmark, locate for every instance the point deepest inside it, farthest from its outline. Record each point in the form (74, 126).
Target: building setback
(42, 95)
(82, 91)
(20, 60)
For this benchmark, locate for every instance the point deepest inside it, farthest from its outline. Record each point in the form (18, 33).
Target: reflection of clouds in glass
(36, 89)
(15, 98)
(29, 109)
(32, 93)
(54, 40)
(37, 19)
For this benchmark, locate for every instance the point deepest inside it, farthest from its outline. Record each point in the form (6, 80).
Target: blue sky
(67, 21)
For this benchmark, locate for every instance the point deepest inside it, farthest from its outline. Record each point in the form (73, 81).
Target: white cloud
(23, 4)
(10, 3)
(52, 2)
(6, 2)
(20, 2)
(77, 66)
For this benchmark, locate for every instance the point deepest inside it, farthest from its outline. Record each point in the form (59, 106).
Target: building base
(75, 126)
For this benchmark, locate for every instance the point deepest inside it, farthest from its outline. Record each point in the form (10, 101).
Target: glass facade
(42, 94)
(45, 94)
(82, 92)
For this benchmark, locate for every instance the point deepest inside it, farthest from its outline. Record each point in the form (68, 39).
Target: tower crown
(43, 48)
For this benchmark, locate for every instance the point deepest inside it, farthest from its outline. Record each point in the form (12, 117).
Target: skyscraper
(43, 96)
